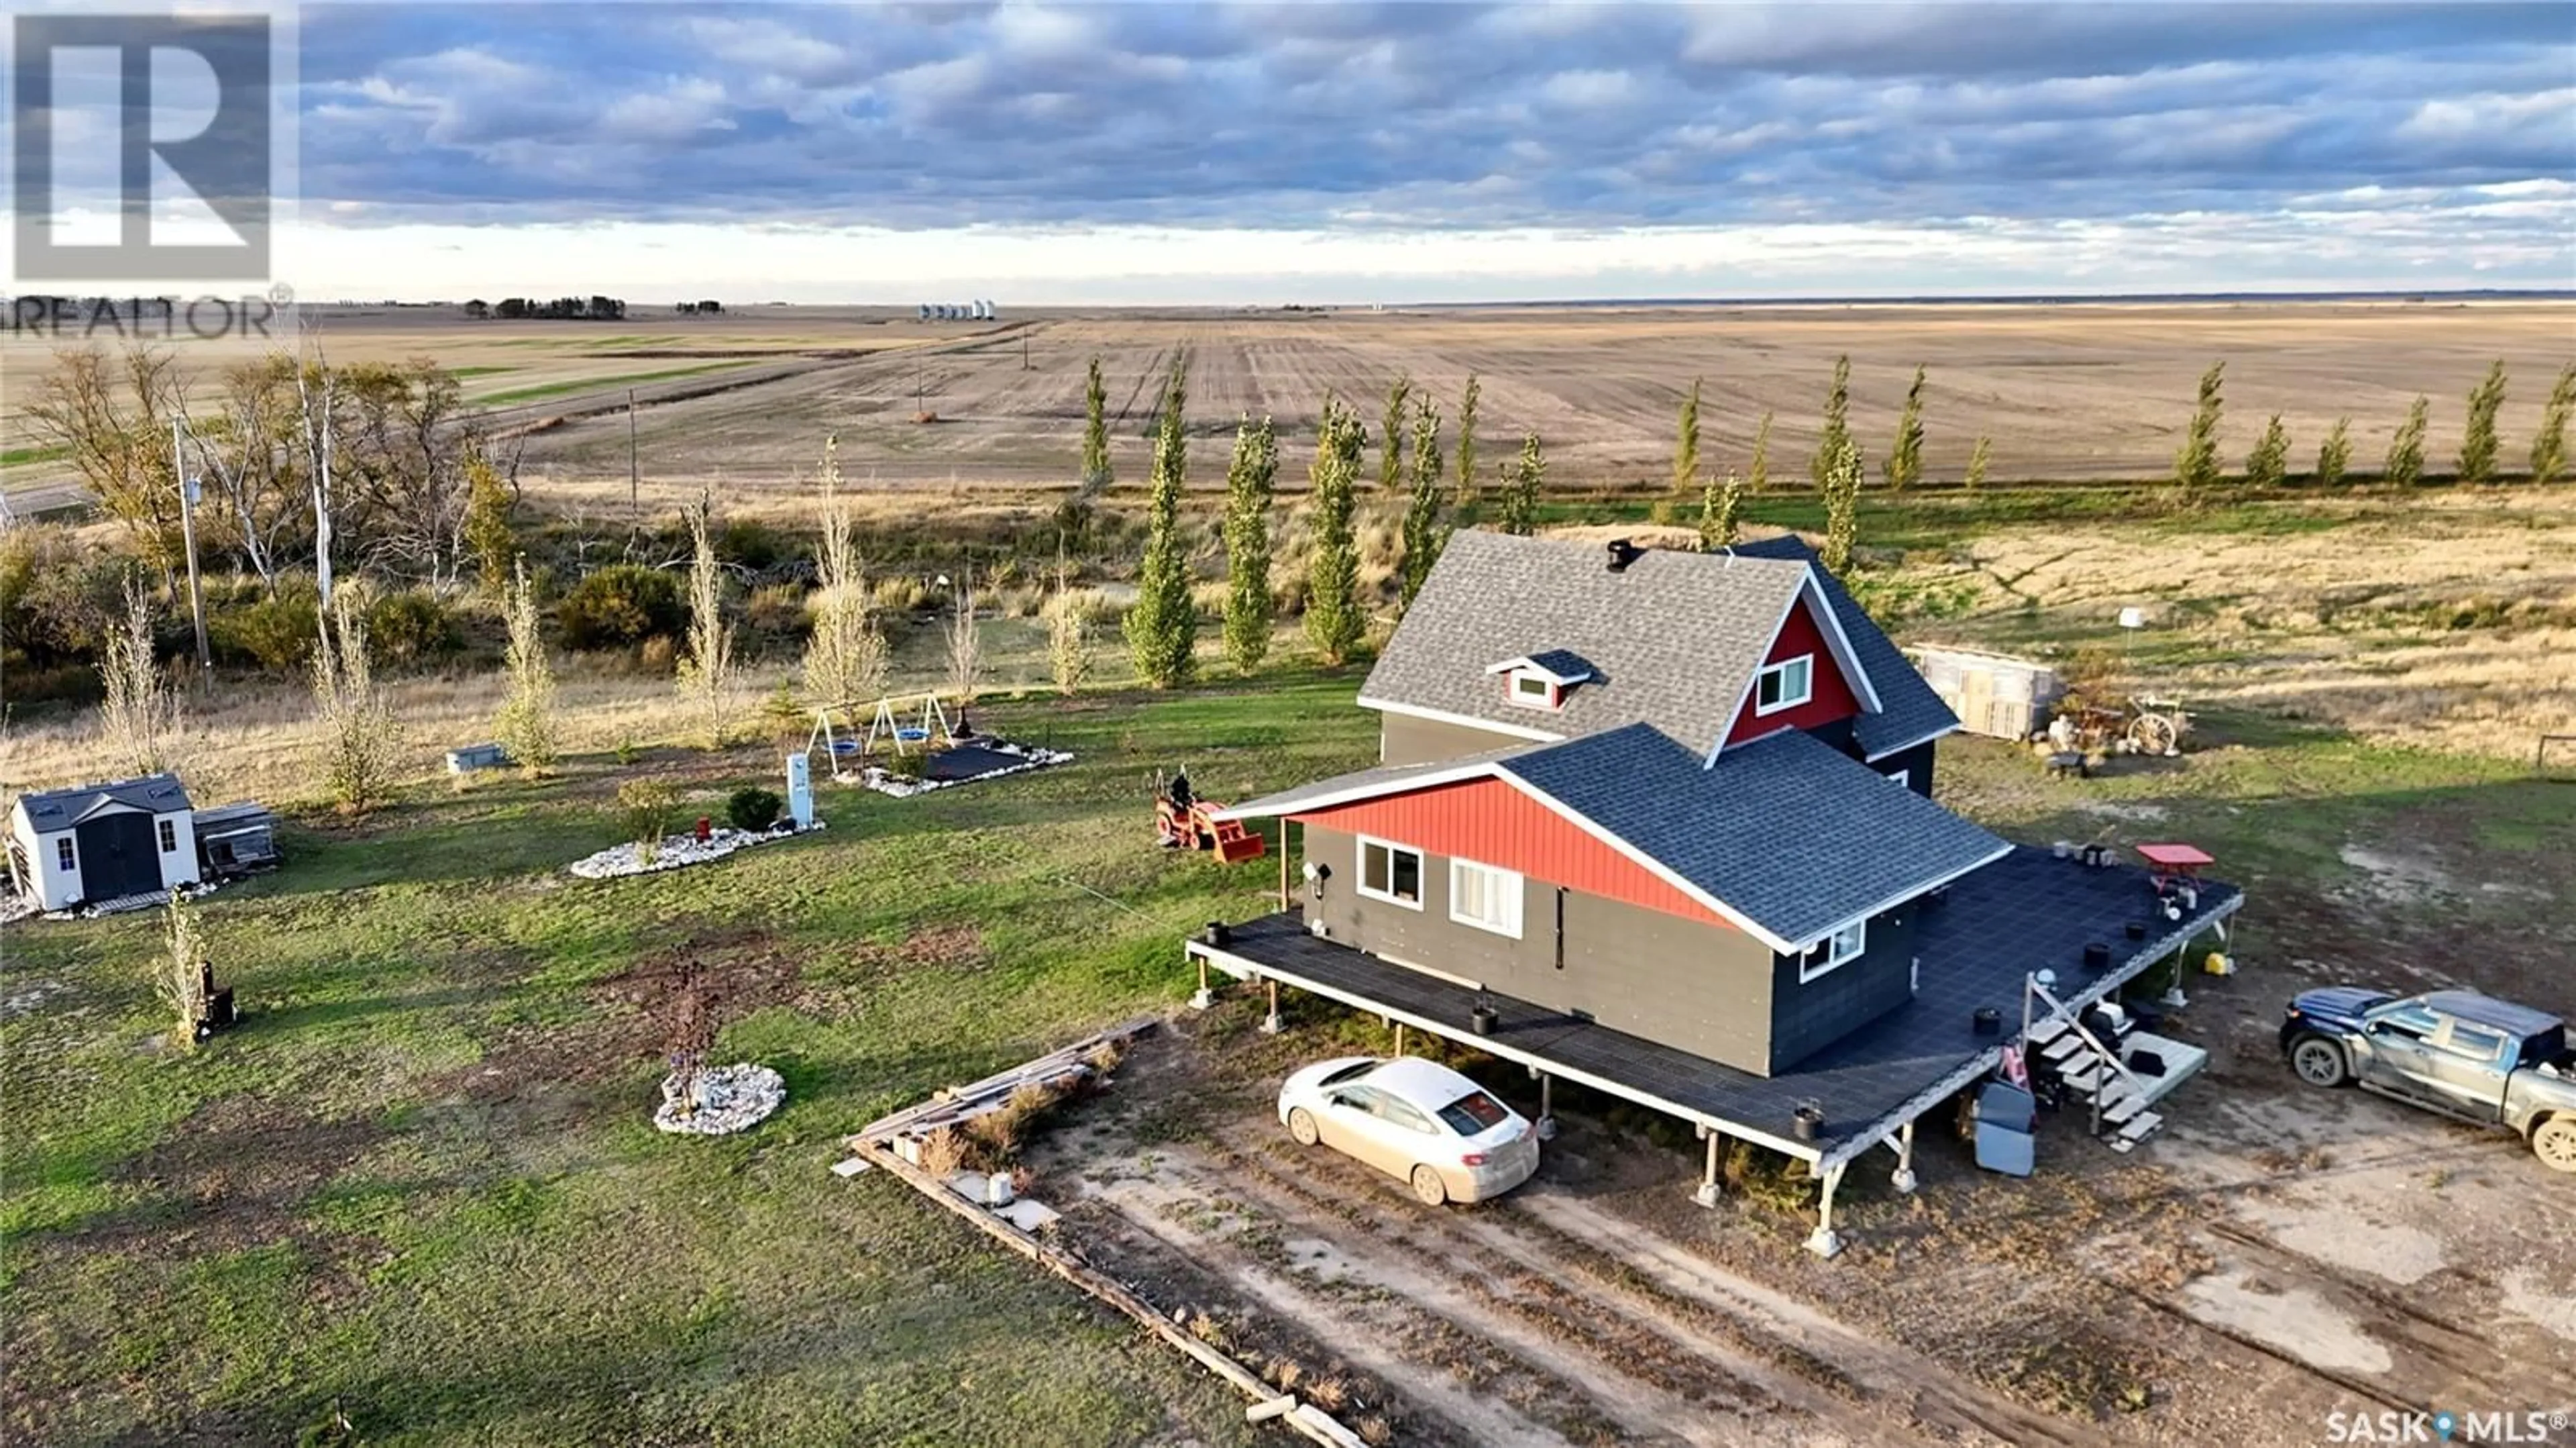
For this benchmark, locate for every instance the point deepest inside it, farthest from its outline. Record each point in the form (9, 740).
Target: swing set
(887, 724)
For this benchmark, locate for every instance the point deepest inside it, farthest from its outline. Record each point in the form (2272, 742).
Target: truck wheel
(2319, 1062)
(2554, 1142)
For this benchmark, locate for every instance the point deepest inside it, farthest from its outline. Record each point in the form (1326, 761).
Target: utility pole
(634, 494)
(188, 530)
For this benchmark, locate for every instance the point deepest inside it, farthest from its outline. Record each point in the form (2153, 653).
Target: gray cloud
(1422, 116)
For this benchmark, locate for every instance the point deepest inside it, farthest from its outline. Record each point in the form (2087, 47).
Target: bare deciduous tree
(179, 971)
(526, 724)
(140, 712)
(362, 742)
(965, 645)
(707, 675)
(845, 659)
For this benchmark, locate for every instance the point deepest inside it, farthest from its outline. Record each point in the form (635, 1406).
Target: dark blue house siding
(1917, 764)
(1807, 1017)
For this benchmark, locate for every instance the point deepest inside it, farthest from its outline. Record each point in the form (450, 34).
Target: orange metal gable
(1495, 823)
(1832, 695)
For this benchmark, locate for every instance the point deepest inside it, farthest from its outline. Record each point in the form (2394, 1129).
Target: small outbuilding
(102, 842)
(1992, 694)
(236, 839)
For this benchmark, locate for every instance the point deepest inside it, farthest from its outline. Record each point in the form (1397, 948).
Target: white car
(1415, 1120)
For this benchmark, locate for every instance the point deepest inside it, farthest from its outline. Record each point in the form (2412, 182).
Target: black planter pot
(2097, 956)
(1806, 1121)
(1217, 934)
(1483, 1019)
(2137, 930)
(1989, 1021)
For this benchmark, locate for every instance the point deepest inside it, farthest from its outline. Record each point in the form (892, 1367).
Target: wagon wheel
(2153, 734)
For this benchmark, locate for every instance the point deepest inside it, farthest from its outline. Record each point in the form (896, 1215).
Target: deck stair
(2118, 1098)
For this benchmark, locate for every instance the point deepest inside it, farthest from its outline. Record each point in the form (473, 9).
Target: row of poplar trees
(2197, 463)
(1162, 627)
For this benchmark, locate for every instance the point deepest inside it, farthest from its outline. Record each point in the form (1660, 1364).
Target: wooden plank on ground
(1308, 1420)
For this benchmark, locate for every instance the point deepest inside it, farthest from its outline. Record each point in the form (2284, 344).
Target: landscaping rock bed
(729, 1099)
(678, 851)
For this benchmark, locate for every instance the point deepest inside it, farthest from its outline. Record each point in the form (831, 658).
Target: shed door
(118, 856)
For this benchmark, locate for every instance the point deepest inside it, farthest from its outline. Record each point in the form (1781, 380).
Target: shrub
(59, 597)
(659, 657)
(412, 628)
(622, 604)
(646, 806)
(752, 544)
(778, 610)
(271, 633)
(753, 808)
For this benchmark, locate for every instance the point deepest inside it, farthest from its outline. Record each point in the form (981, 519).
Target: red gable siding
(1832, 695)
(1495, 823)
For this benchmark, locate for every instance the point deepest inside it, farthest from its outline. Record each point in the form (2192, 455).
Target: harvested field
(2074, 392)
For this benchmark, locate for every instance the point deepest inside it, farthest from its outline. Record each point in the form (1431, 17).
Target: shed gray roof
(1788, 831)
(1788, 834)
(1672, 639)
(60, 809)
(1909, 712)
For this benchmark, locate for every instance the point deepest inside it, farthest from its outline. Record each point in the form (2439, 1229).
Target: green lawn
(420, 1180)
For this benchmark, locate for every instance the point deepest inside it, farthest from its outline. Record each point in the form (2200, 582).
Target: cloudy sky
(1414, 151)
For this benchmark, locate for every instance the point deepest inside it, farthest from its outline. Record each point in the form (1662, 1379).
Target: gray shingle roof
(1384, 779)
(60, 809)
(1672, 639)
(1788, 831)
(1564, 663)
(1908, 709)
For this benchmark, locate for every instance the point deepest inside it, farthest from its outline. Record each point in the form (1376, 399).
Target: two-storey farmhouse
(1668, 817)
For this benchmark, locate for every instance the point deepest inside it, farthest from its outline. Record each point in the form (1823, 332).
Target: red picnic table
(2175, 864)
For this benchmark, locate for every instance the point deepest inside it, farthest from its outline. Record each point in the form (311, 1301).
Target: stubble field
(2071, 393)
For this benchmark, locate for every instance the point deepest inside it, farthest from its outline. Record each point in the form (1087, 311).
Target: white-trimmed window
(1485, 897)
(1840, 948)
(1391, 873)
(1785, 685)
(169, 836)
(1535, 691)
(63, 858)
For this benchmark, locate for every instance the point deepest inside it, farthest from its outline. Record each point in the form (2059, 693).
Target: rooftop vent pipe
(1623, 553)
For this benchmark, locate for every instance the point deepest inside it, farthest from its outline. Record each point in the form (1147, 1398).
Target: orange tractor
(1184, 821)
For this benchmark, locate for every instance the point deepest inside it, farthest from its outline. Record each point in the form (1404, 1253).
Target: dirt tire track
(1936, 1396)
(1637, 1376)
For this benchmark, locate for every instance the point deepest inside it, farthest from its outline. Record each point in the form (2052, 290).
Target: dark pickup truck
(2452, 1051)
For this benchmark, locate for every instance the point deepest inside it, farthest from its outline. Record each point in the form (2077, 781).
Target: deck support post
(1270, 1023)
(1546, 1123)
(1824, 1243)
(1399, 1038)
(2174, 998)
(1203, 999)
(1706, 1196)
(1903, 1178)
(1283, 864)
